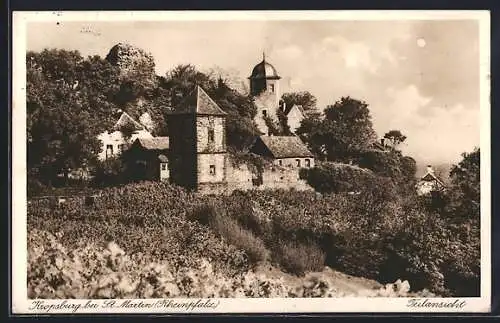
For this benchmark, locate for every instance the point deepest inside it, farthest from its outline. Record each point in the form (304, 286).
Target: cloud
(290, 52)
(441, 135)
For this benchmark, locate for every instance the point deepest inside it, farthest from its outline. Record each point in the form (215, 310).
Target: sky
(420, 77)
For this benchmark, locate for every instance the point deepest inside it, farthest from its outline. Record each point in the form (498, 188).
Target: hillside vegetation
(364, 235)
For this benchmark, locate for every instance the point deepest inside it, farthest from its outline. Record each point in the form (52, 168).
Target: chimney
(430, 169)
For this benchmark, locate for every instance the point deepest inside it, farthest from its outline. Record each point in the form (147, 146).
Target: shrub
(336, 177)
(299, 258)
(230, 230)
(109, 172)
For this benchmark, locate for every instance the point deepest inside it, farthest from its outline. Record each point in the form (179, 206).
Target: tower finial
(263, 56)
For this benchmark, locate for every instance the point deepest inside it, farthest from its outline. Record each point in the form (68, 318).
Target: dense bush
(109, 172)
(330, 177)
(229, 229)
(299, 258)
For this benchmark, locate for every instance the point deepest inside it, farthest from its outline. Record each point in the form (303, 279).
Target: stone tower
(197, 138)
(265, 88)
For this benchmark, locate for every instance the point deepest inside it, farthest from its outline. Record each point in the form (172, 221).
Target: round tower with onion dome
(265, 88)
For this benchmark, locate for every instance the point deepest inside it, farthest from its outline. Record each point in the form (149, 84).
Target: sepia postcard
(250, 162)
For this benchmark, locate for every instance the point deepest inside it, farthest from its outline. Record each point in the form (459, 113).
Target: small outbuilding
(147, 159)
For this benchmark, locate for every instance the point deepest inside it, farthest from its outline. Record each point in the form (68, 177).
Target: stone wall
(217, 125)
(283, 178)
(268, 102)
(242, 177)
(239, 177)
(211, 168)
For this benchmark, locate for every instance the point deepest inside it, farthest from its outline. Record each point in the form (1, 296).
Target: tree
(311, 132)
(67, 106)
(283, 123)
(304, 98)
(344, 132)
(182, 80)
(241, 110)
(395, 137)
(464, 192)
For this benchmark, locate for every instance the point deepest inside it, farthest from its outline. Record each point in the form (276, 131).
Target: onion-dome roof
(264, 70)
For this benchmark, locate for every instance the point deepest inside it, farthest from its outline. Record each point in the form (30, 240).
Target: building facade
(115, 141)
(197, 142)
(198, 157)
(147, 159)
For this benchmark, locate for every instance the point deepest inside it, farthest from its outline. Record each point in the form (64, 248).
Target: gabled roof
(296, 106)
(126, 119)
(155, 143)
(378, 146)
(430, 176)
(285, 146)
(199, 103)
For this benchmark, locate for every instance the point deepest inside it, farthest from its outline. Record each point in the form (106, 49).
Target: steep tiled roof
(285, 146)
(126, 119)
(430, 176)
(198, 102)
(155, 143)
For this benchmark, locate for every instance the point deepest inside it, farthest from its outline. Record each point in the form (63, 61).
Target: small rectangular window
(212, 169)
(163, 166)
(211, 135)
(308, 163)
(298, 162)
(280, 162)
(271, 88)
(109, 150)
(264, 113)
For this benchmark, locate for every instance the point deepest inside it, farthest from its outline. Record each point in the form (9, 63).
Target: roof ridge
(203, 92)
(135, 122)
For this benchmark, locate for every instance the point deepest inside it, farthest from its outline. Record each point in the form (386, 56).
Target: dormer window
(264, 113)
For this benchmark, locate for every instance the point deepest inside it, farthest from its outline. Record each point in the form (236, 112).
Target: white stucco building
(114, 141)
